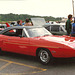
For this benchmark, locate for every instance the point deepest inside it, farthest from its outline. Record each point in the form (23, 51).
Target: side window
(19, 32)
(11, 32)
(60, 29)
(15, 32)
(48, 28)
(55, 28)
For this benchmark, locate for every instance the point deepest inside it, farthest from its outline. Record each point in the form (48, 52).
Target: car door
(15, 44)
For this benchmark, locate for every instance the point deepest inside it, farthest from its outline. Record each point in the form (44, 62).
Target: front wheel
(44, 56)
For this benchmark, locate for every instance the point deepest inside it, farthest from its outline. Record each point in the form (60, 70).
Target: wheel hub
(44, 56)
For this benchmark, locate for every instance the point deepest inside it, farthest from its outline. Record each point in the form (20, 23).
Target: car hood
(66, 40)
(38, 21)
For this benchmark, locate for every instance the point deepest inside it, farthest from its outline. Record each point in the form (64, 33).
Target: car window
(15, 32)
(1, 26)
(60, 29)
(48, 28)
(55, 28)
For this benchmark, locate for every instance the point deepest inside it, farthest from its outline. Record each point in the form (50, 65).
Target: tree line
(16, 17)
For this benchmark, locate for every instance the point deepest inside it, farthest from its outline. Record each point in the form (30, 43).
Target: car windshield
(36, 32)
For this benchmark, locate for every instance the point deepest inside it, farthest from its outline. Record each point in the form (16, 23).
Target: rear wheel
(44, 56)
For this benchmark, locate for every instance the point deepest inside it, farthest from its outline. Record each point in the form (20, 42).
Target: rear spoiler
(7, 25)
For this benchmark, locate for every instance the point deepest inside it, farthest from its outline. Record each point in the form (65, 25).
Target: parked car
(2, 26)
(36, 41)
(55, 29)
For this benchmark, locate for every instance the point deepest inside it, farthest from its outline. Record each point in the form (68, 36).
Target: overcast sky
(55, 8)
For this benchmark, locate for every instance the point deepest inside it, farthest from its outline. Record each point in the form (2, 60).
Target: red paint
(59, 46)
(7, 25)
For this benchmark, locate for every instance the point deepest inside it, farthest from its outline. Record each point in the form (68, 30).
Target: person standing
(73, 29)
(23, 22)
(27, 23)
(68, 24)
(19, 23)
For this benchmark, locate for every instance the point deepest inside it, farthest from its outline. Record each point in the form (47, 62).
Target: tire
(44, 56)
(0, 52)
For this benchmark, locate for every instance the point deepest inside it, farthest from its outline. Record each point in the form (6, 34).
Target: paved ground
(16, 64)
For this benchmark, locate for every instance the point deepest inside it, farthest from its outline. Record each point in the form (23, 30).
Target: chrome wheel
(44, 56)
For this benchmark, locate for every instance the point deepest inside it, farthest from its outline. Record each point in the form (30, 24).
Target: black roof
(19, 27)
(27, 27)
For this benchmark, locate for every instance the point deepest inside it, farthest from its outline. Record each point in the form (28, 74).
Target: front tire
(44, 56)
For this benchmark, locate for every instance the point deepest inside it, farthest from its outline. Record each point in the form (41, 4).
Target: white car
(55, 29)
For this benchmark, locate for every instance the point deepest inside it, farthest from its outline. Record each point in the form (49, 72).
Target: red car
(36, 41)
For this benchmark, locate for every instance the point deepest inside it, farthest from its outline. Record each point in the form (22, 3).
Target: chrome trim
(26, 32)
(63, 28)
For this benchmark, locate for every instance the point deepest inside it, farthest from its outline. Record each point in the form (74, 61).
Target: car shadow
(14, 56)
(62, 62)
(56, 62)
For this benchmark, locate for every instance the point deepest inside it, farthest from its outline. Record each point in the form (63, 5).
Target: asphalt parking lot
(16, 64)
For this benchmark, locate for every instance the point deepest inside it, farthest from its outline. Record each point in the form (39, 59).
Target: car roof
(53, 25)
(19, 27)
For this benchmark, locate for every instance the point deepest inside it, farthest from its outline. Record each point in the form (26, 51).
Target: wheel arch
(46, 61)
(38, 49)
